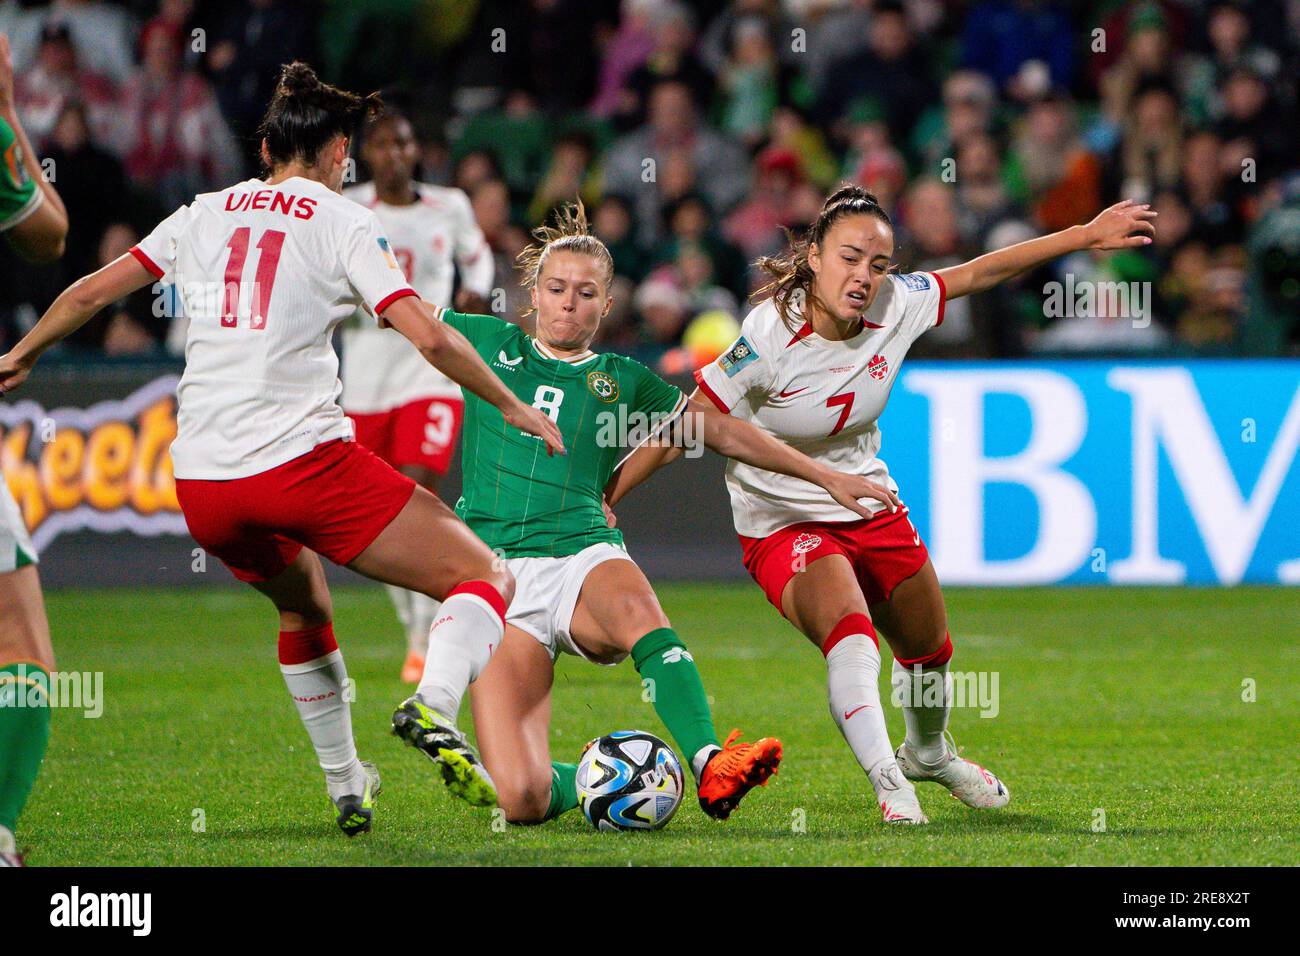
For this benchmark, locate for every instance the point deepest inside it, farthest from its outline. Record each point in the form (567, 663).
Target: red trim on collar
(803, 333)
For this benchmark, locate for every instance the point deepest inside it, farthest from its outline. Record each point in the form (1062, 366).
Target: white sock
(7, 842)
(317, 688)
(701, 759)
(926, 698)
(852, 683)
(464, 635)
(401, 599)
(424, 611)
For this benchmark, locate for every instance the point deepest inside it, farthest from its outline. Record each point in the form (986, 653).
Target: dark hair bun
(306, 114)
(298, 79)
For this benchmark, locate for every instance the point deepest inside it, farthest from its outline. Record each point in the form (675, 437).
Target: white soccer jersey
(266, 273)
(820, 396)
(430, 238)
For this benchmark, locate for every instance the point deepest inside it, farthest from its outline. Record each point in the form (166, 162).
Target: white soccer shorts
(546, 593)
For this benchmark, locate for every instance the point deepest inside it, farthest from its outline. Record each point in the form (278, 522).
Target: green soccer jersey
(19, 196)
(521, 501)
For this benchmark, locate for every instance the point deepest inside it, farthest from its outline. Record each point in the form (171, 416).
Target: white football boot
(967, 781)
(896, 796)
(357, 810)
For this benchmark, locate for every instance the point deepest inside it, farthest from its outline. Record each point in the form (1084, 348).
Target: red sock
(485, 592)
(299, 647)
(940, 657)
(850, 624)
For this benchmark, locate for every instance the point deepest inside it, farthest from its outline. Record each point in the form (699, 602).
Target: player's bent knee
(312, 610)
(525, 803)
(499, 580)
(26, 640)
(504, 582)
(936, 655)
(637, 615)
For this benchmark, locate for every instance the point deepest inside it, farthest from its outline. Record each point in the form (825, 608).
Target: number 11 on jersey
(268, 260)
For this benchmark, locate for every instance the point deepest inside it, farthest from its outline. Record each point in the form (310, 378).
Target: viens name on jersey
(301, 207)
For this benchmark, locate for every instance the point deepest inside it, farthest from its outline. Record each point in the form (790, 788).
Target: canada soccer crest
(878, 367)
(805, 542)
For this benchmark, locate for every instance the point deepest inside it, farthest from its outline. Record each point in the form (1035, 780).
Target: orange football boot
(412, 668)
(734, 771)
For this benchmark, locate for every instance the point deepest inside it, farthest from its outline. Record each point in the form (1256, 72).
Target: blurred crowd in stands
(696, 133)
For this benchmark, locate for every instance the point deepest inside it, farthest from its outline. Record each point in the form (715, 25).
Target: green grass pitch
(1120, 706)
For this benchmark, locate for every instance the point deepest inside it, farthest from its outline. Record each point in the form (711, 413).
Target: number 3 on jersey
(547, 399)
(268, 259)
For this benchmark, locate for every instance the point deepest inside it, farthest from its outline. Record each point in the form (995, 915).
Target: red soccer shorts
(884, 552)
(422, 432)
(335, 500)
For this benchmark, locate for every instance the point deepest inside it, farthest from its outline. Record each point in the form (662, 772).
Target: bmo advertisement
(1079, 472)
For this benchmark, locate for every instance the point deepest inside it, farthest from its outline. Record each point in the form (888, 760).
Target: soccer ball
(629, 780)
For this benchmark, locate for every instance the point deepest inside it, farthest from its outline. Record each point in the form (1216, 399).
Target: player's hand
(611, 520)
(1123, 226)
(471, 303)
(848, 489)
(12, 371)
(534, 422)
(6, 75)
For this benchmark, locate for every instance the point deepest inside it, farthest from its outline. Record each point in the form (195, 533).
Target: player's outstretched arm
(639, 466)
(450, 352)
(69, 312)
(1123, 225)
(40, 237)
(734, 438)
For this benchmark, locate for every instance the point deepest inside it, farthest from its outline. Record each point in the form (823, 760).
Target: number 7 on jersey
(845, 399)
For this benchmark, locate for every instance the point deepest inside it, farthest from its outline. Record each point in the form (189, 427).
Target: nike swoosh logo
(850, 713)
(501, 357)
(793, 391)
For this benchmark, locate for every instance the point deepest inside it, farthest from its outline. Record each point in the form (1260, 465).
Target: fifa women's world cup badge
(740, 355)
(603, 386)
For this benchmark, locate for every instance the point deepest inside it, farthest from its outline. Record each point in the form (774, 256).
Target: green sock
(564, 789)
(677, 691)
(24, 732)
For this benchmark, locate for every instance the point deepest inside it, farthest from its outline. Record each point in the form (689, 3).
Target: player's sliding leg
(916, 624)
(617, 613)
(512, 720)
(316, 677)
(825, 602)
(426, 548)
(26, 659)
